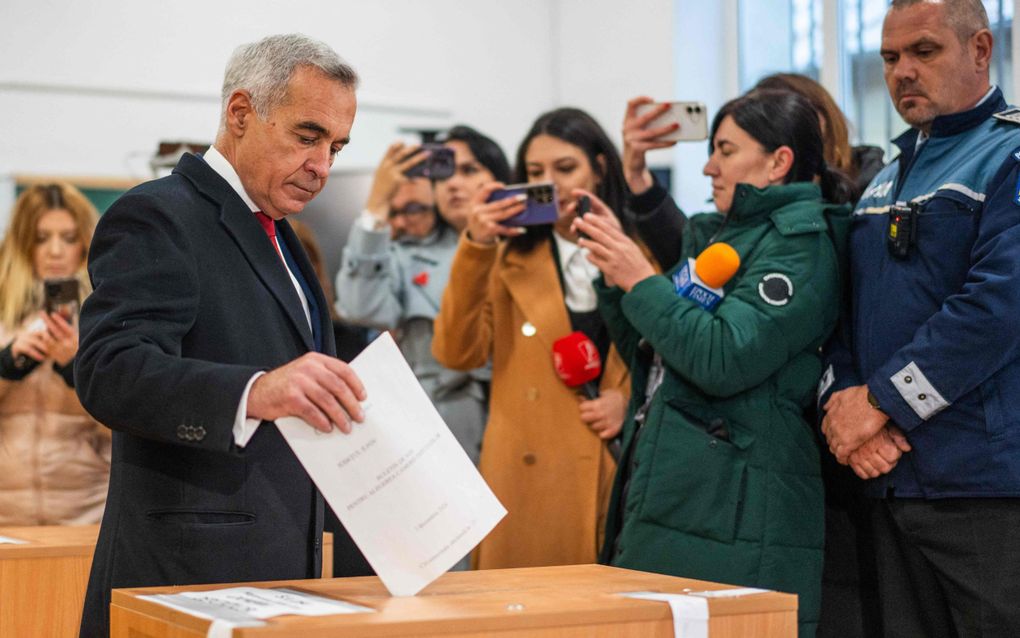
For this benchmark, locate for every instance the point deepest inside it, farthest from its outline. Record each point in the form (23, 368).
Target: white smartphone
(691, 116)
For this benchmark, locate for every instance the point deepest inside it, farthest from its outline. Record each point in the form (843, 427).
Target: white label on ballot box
(246, 606)
(400, 483)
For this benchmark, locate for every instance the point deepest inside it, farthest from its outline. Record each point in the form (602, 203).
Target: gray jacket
(397, 285)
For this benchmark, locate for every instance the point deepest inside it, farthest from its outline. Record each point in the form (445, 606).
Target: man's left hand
(850, 420)
(879, 454)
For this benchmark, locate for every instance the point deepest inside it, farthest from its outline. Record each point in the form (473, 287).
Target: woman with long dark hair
(545, 451)
(720, 477)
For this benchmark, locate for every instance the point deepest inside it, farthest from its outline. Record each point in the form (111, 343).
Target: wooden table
(42, 583)
(541, 602)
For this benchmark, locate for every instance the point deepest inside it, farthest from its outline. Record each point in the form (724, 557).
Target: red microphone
(577, 362)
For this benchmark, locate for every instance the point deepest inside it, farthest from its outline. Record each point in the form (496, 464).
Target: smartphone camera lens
(541, 194)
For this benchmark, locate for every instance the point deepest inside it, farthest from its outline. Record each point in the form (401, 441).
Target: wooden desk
(541, 602)
(42, 583)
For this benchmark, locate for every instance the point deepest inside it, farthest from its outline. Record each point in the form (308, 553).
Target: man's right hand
(389, 176)
(638, 140)
(322, 390)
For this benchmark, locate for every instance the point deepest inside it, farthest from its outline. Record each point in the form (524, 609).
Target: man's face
(412, 208)
(928, 70)
(284, 161)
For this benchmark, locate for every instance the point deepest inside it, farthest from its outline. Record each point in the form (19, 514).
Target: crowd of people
(841, 425)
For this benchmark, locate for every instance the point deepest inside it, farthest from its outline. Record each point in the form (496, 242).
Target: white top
(578, 275)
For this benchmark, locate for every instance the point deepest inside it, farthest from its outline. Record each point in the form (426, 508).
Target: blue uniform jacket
(936, 335)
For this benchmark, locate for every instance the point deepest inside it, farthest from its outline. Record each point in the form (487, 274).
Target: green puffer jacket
(742, 504)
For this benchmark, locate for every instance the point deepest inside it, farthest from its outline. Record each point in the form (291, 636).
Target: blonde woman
(54, 457)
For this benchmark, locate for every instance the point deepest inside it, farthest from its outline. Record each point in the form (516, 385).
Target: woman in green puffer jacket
(720, 474)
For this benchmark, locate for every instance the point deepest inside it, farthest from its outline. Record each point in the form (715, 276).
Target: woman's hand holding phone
(621, 261)
(30, 344)
(63, 345)
(484, 225)
(638, 140)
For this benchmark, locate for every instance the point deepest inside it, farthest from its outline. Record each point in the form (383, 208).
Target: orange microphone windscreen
(717, 264)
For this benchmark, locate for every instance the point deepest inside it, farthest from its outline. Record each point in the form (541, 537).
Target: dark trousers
(948, 567)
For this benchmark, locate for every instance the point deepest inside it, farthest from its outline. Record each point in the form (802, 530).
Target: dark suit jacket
(190, 301)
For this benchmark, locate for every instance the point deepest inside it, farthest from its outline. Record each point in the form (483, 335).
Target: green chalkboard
(101, 198)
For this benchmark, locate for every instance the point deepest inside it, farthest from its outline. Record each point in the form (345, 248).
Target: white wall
(89, 88)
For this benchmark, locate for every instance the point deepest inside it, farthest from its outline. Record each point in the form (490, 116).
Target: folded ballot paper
(400, 483)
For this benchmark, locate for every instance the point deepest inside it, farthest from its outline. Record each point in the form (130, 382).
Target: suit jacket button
(199, 433)
(529, 459)
(182, 431)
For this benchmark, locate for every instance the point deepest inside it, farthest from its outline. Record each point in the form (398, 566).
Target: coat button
(908, 379)
(713, 443)
(922, 396)
(529, 459)
(532, 394)
(528, 329)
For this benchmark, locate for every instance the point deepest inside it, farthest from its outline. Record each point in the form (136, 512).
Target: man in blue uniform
(922, 397)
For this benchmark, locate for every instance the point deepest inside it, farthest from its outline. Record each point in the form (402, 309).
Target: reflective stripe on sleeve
(918, 392)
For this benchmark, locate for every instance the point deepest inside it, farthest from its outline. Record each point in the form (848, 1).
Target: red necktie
(270, 228)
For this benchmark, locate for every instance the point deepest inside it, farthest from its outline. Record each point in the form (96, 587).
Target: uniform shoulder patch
(1011, 115)
(775, 289)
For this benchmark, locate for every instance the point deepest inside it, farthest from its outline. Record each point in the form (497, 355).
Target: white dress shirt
(578, 275)
(244, 427)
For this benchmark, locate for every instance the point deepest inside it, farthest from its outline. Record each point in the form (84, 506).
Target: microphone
(577, 362)
(701, 280)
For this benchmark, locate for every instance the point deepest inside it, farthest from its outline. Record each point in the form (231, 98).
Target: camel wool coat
(550, 471)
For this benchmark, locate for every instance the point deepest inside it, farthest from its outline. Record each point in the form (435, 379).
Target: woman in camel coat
(545, 451)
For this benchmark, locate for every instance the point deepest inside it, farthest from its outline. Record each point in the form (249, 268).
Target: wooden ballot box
(42, 583)
(540, 602)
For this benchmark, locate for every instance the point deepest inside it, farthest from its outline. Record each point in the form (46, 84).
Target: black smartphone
(61, 296)
(583, 206)
(439, 165)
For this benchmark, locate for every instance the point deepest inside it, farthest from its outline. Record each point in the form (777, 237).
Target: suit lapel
(533, 282)
(247, 233)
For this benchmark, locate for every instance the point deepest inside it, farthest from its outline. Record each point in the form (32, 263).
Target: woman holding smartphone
(720, 478)
(513, 293)
(54, 457)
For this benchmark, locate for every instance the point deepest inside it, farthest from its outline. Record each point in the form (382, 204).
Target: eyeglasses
(413, 208)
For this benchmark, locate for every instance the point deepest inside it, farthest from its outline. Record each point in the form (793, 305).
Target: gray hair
(965, 17)
(264, 69)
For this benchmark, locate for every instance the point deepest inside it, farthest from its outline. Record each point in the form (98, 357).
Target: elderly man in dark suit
(206, 324)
